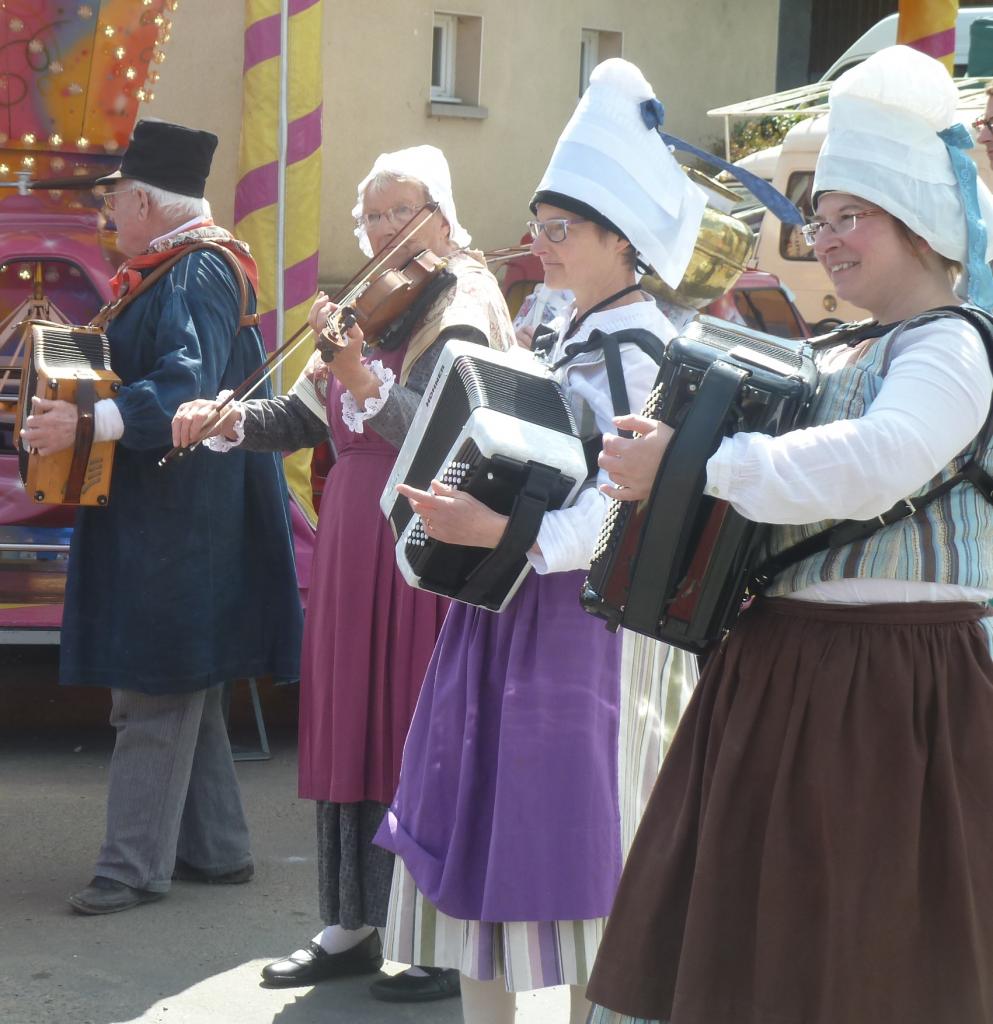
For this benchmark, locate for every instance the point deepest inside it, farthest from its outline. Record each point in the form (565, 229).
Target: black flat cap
(168, 156)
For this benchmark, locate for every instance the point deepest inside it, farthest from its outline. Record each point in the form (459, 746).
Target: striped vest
(947, 542)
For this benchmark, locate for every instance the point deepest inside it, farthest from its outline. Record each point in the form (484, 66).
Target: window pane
(766, 309)
(437, 57)
(791, 243)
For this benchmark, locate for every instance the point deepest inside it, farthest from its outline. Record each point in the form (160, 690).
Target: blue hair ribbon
(979, 278)
(653, 114)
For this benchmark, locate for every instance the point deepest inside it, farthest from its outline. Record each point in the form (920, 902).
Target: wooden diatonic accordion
(71, 364)
(497, 426)
(676, 566)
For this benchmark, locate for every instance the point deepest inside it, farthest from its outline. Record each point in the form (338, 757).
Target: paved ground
(193, 958)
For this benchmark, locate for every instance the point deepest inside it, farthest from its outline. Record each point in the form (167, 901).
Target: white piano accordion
(497, 426)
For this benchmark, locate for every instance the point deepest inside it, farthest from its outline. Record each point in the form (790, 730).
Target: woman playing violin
(368, 636)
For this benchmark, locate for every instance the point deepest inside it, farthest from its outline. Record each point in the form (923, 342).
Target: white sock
(415, 972)
(335, 939)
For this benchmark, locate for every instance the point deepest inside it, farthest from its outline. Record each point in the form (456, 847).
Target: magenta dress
(368, 636)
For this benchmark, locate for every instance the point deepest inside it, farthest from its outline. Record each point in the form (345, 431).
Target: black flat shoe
(312, 964)
(108, 896)
(438, 983)
(184, 872)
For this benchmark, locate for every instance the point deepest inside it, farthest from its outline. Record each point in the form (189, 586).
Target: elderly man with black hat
(186, 579)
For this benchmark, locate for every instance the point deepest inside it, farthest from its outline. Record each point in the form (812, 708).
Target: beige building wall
(377, 67)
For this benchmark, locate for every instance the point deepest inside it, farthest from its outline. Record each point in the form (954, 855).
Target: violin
(381, 292)
(382, 302)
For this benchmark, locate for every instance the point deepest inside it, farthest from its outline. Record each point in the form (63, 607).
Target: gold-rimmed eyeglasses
(109, 200)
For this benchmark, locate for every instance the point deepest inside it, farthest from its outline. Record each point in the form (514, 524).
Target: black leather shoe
(311, 965)
(108, 896)
(184, 872)
(438, 983)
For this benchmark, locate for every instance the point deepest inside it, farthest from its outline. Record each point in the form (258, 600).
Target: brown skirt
(819, 845)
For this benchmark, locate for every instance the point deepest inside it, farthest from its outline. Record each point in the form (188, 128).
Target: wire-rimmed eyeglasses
(109, 200)
(395, 215)
(841, 225)
(983, 122)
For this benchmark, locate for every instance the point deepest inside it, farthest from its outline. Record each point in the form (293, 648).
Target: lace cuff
(221, 443)
(353, 417)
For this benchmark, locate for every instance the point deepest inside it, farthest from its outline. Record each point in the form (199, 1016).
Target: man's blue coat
(186, 579)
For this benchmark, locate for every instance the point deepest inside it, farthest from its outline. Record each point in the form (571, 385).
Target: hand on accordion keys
(454, 517)
(632, 463)
(51, 427)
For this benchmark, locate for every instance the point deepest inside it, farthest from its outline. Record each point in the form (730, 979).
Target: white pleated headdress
(609, 159)
(426, 164)
(883, 145)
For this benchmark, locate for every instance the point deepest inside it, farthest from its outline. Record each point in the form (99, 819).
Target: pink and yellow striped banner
(278, 199)
(929, 26)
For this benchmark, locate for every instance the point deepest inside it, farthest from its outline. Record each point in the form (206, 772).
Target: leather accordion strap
(521, 532)
(245, 319)
(85, 426)
(684, 470)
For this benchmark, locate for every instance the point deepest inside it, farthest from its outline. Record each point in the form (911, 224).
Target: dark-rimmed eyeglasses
(983, 122)
(556, 229)
(395, 215)
(841, 225)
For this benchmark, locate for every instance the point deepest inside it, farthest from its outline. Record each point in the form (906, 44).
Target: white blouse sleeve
(932, 403)
(352, 415)
(220, 443)
(568, 536)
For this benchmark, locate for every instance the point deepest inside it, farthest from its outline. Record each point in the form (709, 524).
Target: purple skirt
(507, 805)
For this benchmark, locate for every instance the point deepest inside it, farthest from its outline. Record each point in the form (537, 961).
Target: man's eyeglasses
(983, 122)
(395, 215)
(839, 226)
(108, 197)
(556, 230)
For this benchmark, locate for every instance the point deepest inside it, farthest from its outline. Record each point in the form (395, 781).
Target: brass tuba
(723, 249)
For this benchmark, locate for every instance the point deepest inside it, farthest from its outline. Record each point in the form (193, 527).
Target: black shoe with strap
(435, 983)
(313, 964)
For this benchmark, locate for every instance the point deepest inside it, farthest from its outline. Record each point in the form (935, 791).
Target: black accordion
(497, 426)
(676, 566)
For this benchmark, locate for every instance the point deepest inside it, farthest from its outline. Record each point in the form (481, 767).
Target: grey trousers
(173, 791)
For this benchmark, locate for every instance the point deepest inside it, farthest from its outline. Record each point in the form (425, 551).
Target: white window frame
(445, 90)
(589, 52)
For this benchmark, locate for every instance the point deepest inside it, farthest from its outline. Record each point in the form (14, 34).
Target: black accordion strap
(849, 531)
(669, 521)
(610, 344)
(529, 508)
(645, 340)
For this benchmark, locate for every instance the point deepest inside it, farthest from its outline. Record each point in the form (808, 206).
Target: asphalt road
(194, 957)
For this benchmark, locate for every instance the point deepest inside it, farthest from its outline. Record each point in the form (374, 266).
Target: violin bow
(347, 294)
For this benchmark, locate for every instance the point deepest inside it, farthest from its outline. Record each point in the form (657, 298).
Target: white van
(781, 249)
(883, 34)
